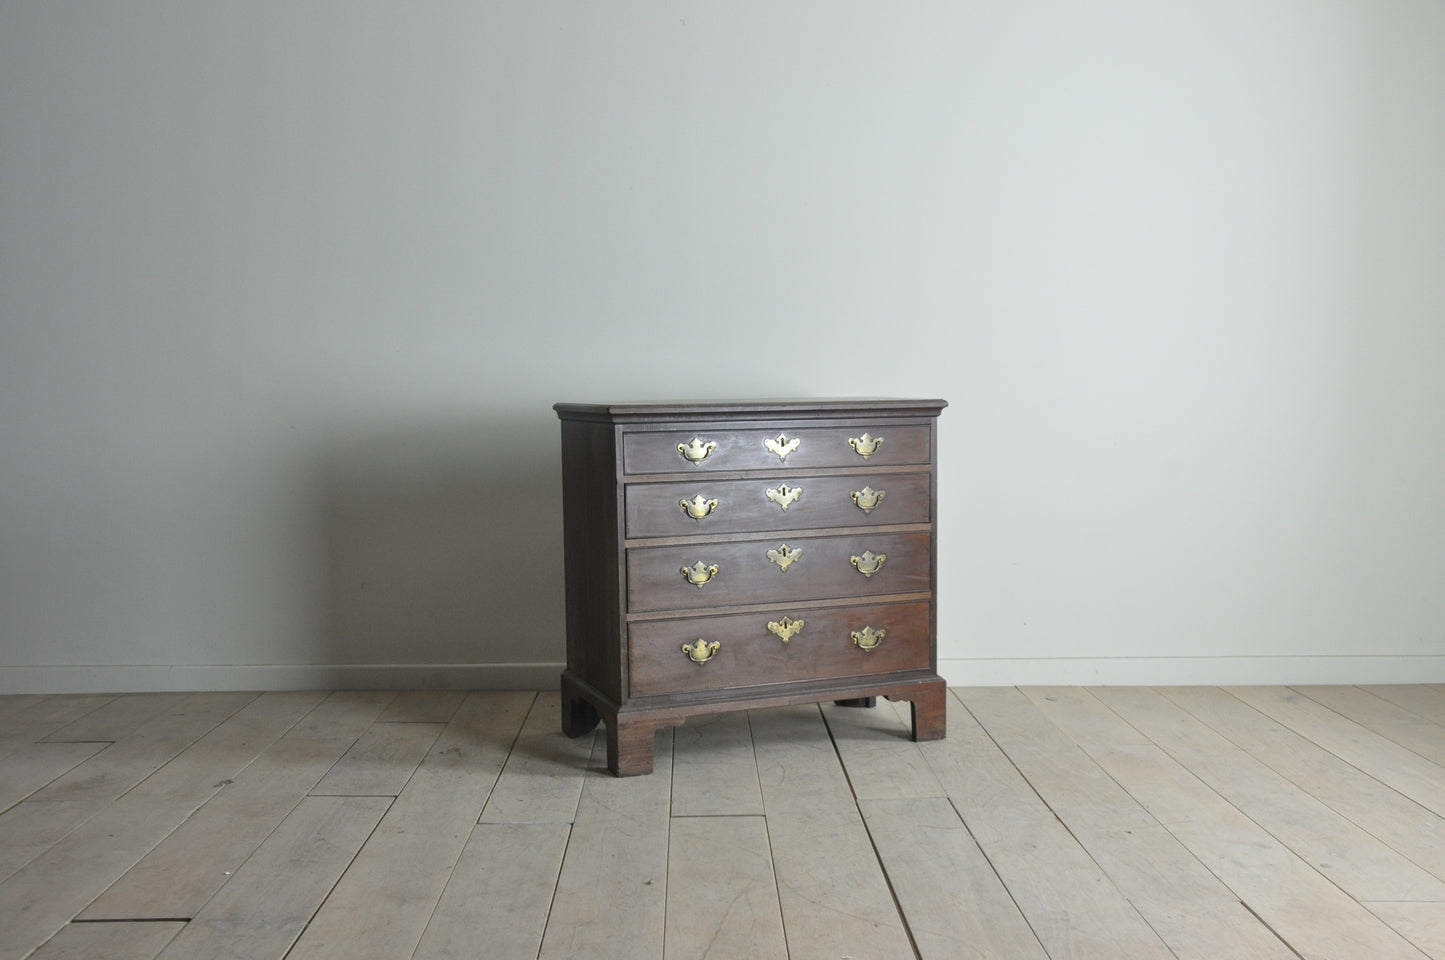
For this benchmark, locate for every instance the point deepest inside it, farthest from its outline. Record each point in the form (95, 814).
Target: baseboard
(1197, 671)
(370, 676)
(958, 672)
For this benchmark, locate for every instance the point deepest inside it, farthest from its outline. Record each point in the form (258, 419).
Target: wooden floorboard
(181, 873)
(26, 720)
(1052, 823)
(722, 895)
(380, 908)
(954, 903)
(542, 779)
(133, 940)
(501, 890)
(1339, 849)
(714, 768)
(1189, 907)
(262, 910)
(30, 768)
(211, 738)
(1076, 908)
(1373, 751)
(834, 893)
(611, 895)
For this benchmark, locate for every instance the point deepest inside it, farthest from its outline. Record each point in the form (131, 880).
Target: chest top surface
(748, 409)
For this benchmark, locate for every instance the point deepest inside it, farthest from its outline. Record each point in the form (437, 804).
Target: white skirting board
(200, 677)
(1197, 671)
(959, 672)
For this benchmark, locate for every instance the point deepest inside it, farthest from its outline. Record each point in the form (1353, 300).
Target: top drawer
(762, 448)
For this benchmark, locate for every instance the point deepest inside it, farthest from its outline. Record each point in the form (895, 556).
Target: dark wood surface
(743, 506)
(630, 608)
(750, 655)
(656, 451)
(823, 570)
(592, 557)
(773, 410)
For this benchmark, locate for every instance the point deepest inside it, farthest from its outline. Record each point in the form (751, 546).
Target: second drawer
(706, 507)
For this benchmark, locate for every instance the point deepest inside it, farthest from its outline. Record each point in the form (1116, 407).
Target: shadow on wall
(443, 547)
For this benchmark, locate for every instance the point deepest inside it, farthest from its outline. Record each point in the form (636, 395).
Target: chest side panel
(591, 554)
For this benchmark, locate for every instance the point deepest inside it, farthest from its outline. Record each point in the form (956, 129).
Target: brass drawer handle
(698, 507)
(701, 651)
(696, 450)
(699, 573)
(785, 496)
(785, 556)
(867, 498)
(782, 446)
(786, 628)
(865, 446)
(869, 563)
(867, 638)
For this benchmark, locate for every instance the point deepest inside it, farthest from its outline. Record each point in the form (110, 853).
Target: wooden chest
(722, 556)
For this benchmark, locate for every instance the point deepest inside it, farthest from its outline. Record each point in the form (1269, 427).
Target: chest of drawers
(725, 556)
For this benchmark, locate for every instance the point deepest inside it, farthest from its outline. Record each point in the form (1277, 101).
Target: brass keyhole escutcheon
(785, 496)
(868, 563)
(782, 446)
(786, 628)
(785, 556)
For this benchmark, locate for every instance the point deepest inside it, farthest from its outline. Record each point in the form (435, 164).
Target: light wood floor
(1112, 823)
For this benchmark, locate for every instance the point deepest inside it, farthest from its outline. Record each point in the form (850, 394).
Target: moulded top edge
(733, 409)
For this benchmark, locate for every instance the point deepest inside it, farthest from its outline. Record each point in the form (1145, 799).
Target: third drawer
(752, 571)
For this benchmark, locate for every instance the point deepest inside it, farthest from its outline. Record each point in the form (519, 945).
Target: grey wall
(287, 291)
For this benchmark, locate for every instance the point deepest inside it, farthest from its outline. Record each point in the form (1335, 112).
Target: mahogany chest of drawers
(724, 556)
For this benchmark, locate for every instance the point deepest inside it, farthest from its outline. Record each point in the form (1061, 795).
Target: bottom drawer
(750, 650)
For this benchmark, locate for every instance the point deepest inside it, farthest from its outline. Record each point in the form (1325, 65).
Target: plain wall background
(287, 291)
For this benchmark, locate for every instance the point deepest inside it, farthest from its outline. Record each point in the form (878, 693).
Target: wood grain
(834, 894)
(499, 894)
(722, 900)
(380, 762)
(183, 871)
(542, 779)
(1306, 910)
(714, 768)
(113, 941)
(1341, 850)
(611, 895)
(1059, 822)
(955, 905)
(261, 911)
(1409, 828)
(380, 908)
(1075, 907)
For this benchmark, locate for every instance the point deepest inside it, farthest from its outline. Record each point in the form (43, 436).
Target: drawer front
(704, 507)
(748, 653)
(763, 571)
(774, 448)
